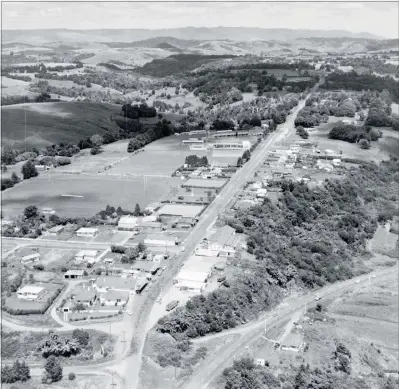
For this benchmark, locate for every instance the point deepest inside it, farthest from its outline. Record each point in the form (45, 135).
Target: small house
(127, 223)
(86, 256)
(31, 292)
(55, 231)
(87, 232)
(74, 274)
(30, 258)
(114, 298)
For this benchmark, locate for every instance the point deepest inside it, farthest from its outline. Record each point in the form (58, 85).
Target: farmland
(49, 123)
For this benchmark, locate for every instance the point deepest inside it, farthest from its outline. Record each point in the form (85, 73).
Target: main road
(217, 207)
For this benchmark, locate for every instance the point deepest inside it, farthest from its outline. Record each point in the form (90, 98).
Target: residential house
(74, 274)
(86, 256)
(87, 232)
(127, 223)
(218, 241)
(114, 298)
(55, 231)
(123, 284)
(31, 292)
(30, 258)
(85, 295)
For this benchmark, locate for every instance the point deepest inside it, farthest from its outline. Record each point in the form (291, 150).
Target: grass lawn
(48, 123)
(81, 382)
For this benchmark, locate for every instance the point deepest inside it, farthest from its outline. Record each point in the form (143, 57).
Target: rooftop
(31, 289)
(56, 229)
(82, 293)
(116, 283)
(181, 210)
(222, 235)
(129, 220)
(192, 276)
(86, 253)
(87, 230)
(74, 272)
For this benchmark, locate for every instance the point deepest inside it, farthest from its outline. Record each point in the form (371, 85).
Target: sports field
(84, 195)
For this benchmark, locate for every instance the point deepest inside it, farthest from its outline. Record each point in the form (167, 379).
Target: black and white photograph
(199, 195)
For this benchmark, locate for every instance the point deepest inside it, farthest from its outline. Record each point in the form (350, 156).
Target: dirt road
(249, 334)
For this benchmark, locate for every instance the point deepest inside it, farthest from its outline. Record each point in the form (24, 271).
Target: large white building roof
(87, 230)
(30, 289)
(127, 221)
(185, 275)
(181, 210)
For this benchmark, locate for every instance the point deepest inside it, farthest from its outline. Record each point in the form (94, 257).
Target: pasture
(96, 192)
(49, 123)
(11, 87)
(380, 150)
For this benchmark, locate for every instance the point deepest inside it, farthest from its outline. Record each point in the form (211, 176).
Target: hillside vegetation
(50, 123)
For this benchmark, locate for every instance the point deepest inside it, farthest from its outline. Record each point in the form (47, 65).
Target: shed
(30, 292)
(87, 232)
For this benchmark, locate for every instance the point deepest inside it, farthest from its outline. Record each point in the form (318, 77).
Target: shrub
(81, 336)
(71, 376)
(364, 144)
(19, 371)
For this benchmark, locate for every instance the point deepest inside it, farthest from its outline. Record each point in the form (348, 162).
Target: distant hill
(49, 123)
(187, 33)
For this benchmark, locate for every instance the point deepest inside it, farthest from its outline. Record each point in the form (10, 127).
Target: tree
(246, 155)
(141, 247)
(239, 162)
(29, 170)
(95, 150)
(19, 371)
(97, 140)
(137, 210)
(71, 376)
(81, 336)
(31, 211)
(364, 144)
(256, 122)
(14, 178)
(53, 370)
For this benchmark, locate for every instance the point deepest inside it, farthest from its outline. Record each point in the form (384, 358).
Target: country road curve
(224, 357)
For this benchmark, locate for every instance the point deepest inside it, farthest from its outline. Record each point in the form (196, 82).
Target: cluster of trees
(177, 63)
(18, 77)
(245, 374)
(352, 134)
(59, 346)
(302, 132)
(138, 111)
(19, 371)
(160, 130)
(9, 182)
(195, 161)
(310, 117)
(359, 82)
(131, 254)
(309, 238)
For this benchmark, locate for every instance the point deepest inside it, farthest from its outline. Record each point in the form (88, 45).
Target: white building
(127, 223)
(30, 258)
(114, 298)
(87, 232)
(30, 292)
(161, 240)
(86, 256)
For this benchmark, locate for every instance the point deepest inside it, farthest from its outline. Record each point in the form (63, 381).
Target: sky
(378, 18)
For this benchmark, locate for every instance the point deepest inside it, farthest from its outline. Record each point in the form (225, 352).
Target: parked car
(317, 297)
(159, 300)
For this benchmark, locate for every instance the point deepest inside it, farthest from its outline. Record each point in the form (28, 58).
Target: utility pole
(123, 339)
(112, 379)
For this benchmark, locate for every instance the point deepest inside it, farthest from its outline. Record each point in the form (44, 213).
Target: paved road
(224, 357)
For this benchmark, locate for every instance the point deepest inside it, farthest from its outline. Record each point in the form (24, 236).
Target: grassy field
(11, 87)
(380, 150)
(96, 192)
(81, 382)
(48, 123)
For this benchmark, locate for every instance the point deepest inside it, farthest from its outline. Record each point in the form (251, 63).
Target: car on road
(357, 281)
(317, 297)
(373, 276)
(182, 249)
(163, 267)
(159, 300)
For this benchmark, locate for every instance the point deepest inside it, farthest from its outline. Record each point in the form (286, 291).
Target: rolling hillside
(49, 123)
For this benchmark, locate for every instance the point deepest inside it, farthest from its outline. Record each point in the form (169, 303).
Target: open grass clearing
(384, 242)
(49, 123)
(81, 382)
(97, 192)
